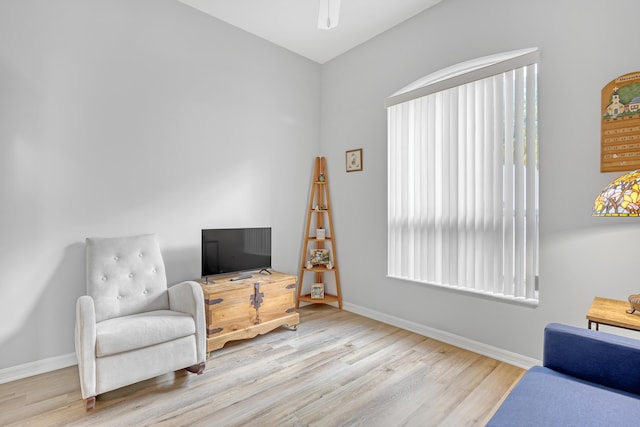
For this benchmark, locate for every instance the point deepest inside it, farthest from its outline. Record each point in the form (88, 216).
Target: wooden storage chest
(245, 308)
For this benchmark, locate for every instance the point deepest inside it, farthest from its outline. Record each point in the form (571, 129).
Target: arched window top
(465, 72)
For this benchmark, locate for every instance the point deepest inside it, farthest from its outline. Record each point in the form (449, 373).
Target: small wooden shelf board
(328, 299)
(611, 312)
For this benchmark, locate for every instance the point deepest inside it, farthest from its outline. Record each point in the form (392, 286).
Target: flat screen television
(235, 250)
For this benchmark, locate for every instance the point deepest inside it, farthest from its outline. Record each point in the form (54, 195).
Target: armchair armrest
(187, 297)
(602, 358)
(85, 337)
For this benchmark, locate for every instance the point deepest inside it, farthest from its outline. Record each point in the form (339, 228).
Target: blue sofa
(588, 378)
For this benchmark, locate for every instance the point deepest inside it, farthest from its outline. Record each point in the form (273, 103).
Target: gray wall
(120, 117)
(580, 256)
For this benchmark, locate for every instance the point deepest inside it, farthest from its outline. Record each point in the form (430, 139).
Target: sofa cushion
(143, 330)
(544, 397)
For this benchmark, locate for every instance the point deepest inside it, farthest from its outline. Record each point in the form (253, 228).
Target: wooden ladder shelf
(316, 257)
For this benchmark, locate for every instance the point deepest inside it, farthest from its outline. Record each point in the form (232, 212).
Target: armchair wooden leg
(90, 403)
(196, 369)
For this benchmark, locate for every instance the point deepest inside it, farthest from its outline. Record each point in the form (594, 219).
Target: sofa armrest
(602, 358)
(187, 297)
(85, 341)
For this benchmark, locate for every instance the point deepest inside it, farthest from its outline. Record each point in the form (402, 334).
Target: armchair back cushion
(125, 276)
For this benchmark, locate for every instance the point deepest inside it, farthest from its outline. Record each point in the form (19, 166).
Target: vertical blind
(463, 179)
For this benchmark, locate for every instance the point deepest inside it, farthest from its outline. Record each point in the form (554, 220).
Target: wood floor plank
(448, 398)
(493, 387)
(337, 369)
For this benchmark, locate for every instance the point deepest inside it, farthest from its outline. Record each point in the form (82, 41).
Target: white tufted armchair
(130, 326)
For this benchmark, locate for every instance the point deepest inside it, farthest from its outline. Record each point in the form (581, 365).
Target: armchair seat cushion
(142, 330)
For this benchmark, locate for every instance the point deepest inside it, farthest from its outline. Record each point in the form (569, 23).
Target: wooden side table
(613, 313)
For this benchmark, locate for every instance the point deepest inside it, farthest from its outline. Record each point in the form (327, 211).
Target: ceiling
(292, 24)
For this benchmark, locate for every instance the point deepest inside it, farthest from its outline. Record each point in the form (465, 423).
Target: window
(463, 178)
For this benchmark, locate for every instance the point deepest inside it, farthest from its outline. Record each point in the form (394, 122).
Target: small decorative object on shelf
(317, 291)
(634, 301)
(319, 256)
(320, 234)
(321, 177)
(309, 264)
(329, 265)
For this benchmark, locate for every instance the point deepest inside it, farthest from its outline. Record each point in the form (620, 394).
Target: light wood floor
(338, 369)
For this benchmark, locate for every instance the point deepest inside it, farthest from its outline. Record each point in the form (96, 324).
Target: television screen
(231, 250)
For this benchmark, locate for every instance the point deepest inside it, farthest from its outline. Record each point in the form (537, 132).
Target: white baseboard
(38, 367)
(446, 337)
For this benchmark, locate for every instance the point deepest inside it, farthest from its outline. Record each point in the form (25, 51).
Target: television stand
(241, 309)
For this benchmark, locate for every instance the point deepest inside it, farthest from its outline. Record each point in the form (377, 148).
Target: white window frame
(462, 175)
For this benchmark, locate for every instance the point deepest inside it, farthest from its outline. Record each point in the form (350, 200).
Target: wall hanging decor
(354, 160)
(620, 130)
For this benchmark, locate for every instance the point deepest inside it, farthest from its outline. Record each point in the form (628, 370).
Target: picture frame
(319, 256)
(317, 291)
(620, 124)
(353, 160)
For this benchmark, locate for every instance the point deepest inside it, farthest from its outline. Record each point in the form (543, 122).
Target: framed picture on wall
(354, 160)
(620, 124)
